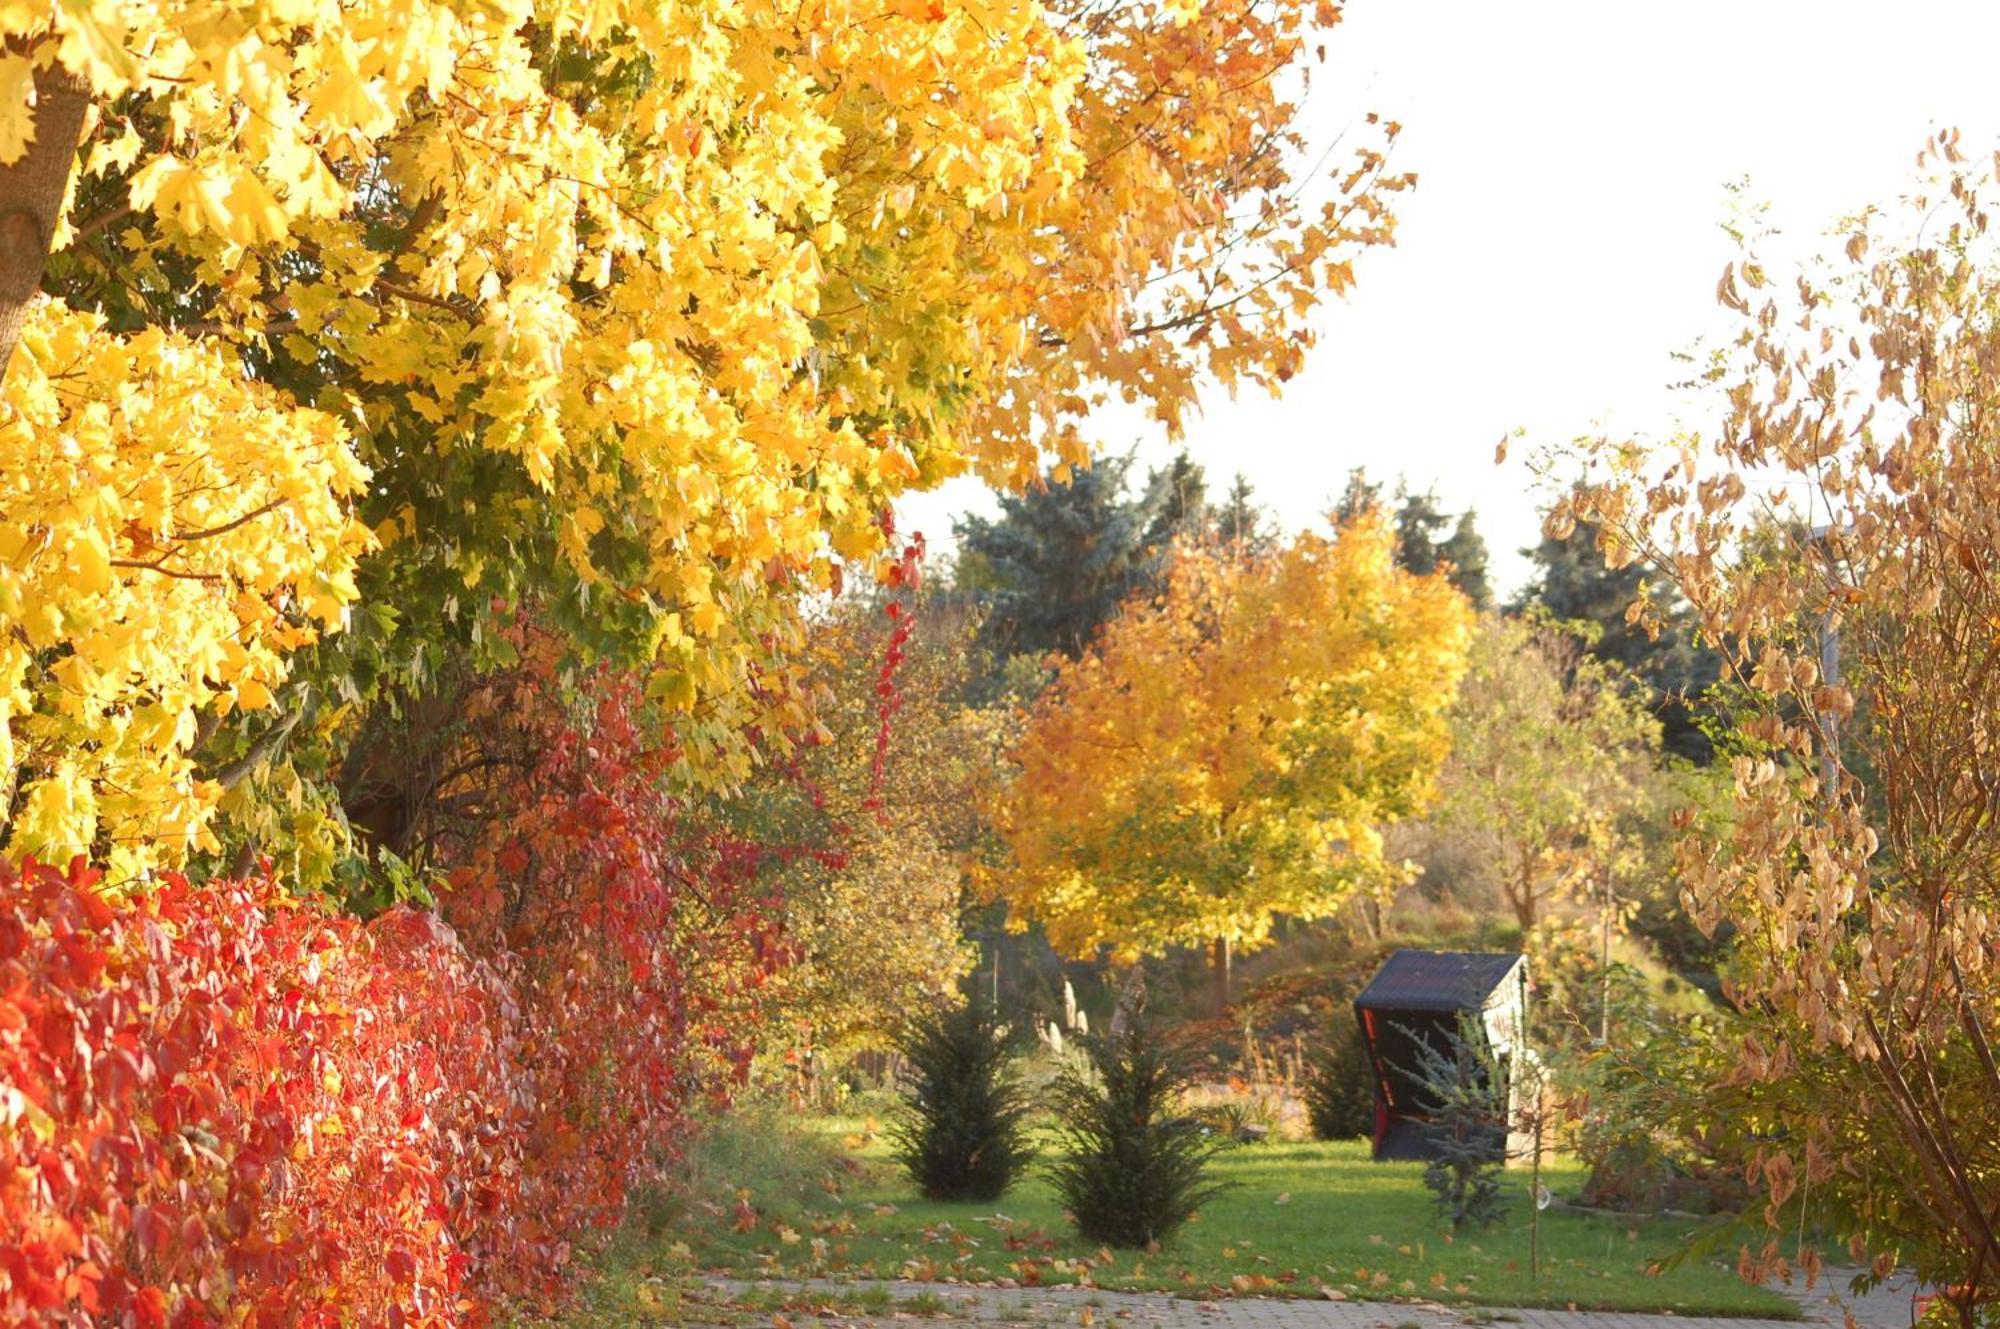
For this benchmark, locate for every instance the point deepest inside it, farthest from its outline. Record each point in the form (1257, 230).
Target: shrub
(1340, 1084)
(1467, 1127)
(962, 1134)
(221, 1103)
(1132, 1170)
(1657, 1122)
(1239, 1113)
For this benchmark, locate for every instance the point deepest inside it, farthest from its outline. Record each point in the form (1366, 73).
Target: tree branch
(237, 771)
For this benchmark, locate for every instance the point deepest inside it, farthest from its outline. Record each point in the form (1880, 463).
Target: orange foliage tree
(1230, 749)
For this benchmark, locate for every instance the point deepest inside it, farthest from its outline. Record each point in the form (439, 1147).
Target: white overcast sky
(1564, 238)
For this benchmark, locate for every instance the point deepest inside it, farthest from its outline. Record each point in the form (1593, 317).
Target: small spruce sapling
(962, 1134)
(1468, 1125)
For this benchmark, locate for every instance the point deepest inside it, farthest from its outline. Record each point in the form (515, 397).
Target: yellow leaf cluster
(167, 535)
(1230, 749)
(722, 279)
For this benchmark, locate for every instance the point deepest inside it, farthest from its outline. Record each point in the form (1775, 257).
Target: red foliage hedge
(217, 1099)
(222, 1104)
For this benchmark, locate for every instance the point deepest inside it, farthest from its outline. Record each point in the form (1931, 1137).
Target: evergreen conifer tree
(1465, 551)
(1134, 1168)
(1241, 521)
(1340, 1088)
(963, 1131)
(1467, 1130)
(1053, 567)
(1574, 583)
(1177, 502)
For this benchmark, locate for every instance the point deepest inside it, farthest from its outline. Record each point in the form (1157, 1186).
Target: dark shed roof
(1436, 981)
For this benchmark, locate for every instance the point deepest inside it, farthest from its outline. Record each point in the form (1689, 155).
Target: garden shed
(1425, 995)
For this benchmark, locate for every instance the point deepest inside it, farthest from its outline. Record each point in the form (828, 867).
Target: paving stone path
(1887, 1307)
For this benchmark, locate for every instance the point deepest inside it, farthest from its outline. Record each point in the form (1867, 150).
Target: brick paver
(1886, 1308)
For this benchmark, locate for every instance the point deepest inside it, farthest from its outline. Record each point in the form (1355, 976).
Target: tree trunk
(1221, 975)
(31, 197)
(1367, 915)
(1131, 1001)
(1522, 897)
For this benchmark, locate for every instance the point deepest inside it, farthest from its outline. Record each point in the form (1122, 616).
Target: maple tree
(1231, 748)
(1835, 537)
(638, 317)
(168, 540)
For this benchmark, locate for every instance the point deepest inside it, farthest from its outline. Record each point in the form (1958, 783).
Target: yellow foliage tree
(639, 314)
(1230, 750)
(167, 540)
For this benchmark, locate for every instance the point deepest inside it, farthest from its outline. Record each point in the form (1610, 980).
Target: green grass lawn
(774, 1200)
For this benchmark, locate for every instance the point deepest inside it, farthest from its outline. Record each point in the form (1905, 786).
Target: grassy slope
(1299, 1216)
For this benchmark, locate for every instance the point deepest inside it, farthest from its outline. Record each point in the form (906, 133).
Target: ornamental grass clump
(1133, 1168)
(962, 1134)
